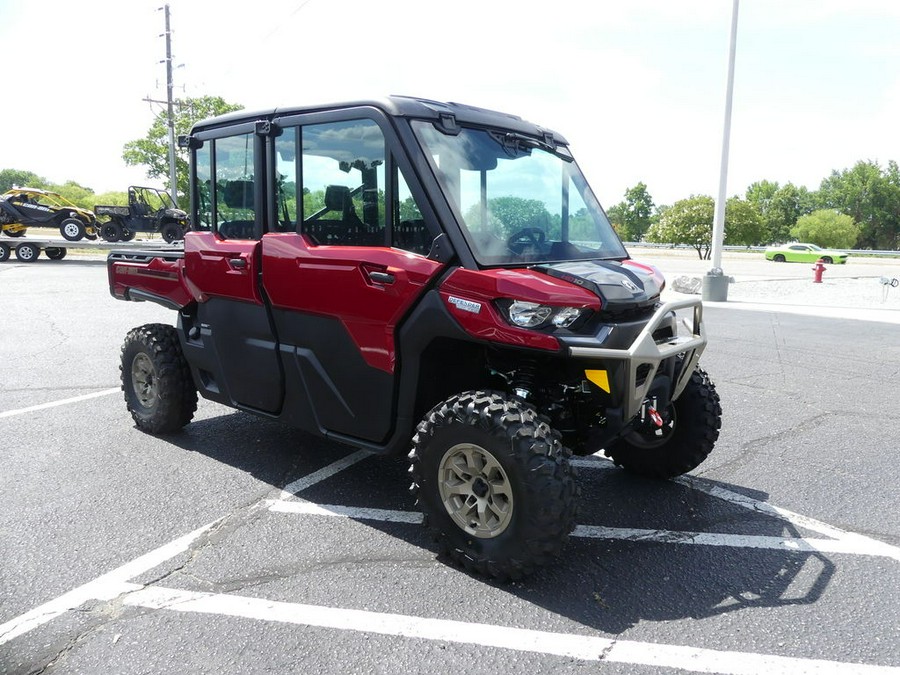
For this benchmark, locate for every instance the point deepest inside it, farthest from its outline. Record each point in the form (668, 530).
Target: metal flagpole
(716, 283)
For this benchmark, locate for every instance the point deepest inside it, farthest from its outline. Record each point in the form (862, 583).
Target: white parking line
(852, 544)
(327, 472)
(581, 647)
(306, 508)
(53, 404)
(117, 584)
(106, 587)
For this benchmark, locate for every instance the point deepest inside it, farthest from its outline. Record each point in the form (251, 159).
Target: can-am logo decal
(465, 305)
(630, 285)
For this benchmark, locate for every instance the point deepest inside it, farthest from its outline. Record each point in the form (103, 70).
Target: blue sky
(637, 87)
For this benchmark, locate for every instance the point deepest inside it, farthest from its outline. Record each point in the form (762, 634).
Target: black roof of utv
(395, 106)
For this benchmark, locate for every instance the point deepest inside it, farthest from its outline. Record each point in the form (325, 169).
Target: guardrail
(851, 251)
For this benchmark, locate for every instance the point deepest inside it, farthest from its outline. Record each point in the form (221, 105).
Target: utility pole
(715, 284)
(173, 183)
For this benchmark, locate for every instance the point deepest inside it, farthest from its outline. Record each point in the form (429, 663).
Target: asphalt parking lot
(241, 546)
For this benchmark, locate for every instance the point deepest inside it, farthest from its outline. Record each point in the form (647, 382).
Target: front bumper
(642, 358)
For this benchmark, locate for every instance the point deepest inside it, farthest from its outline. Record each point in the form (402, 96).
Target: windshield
(155, 199)
(519, 199)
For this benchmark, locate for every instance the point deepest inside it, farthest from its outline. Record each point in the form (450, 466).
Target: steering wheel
(527, 236)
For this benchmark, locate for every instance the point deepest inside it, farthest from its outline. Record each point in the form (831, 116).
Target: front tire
(494, 484)
(72, 229)
(690, 430)
(156, 379)
(778, 258)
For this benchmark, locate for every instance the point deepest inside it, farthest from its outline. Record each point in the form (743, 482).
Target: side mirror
(186, 142)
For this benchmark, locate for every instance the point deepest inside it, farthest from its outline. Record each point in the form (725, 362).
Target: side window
(203, 175)
(286, 179)
(342, 168)
(234, 207)
(409, 232)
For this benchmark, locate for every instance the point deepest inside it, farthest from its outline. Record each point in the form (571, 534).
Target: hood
(620, 286)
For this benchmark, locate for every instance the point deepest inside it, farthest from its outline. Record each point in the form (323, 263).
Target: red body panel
(654, 272)
(161, 277)
(225, 268)
(337, 281)
(485, 286)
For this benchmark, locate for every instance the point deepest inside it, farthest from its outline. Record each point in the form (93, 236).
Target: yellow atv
(21, 208)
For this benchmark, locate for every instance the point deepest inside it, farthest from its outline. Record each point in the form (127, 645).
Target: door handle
(382, 277)
(237, 263)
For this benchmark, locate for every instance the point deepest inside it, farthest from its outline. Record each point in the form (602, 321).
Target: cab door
(235, 351)
(350, 262)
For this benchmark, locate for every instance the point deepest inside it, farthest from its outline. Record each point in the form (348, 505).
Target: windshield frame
(480, 221)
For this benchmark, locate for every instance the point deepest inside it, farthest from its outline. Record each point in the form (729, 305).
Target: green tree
(788, 204)
(508, 215)
(313, 202)
(409, 210)
(77, 194)
(616, 215)
(688, 221)
(743, 224)
(111, 199)
(152, 151)
(761, 195)
(632, 217)
(779, 206)
(828, 228)
(15, 177)
(870, 195)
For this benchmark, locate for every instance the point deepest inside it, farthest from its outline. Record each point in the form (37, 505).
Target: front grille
(627, 312)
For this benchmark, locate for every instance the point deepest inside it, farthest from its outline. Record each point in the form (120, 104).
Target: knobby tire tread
(548, 498)
(177, 395)
(697, 430)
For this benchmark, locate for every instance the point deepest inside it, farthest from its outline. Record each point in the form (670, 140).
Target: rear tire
(172, 232)
(687, 437)
(827, 260)
(111, 231)
(55, 252)
(156, 379)
(4, 252)
(72, 229)
(27, 253)
(17, 233)
(494, 484)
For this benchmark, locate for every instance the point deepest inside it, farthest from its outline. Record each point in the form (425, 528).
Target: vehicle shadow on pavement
(617, 583)
(644, 567)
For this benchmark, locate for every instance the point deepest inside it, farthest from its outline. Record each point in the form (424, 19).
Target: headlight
(528, 314)
(533, 315)
(566, 316)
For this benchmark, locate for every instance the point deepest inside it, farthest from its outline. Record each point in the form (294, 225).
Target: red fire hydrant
(817, 269)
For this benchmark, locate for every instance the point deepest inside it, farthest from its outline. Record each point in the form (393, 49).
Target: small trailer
(28, 249)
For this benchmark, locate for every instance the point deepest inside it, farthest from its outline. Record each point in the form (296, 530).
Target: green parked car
(805, 253)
